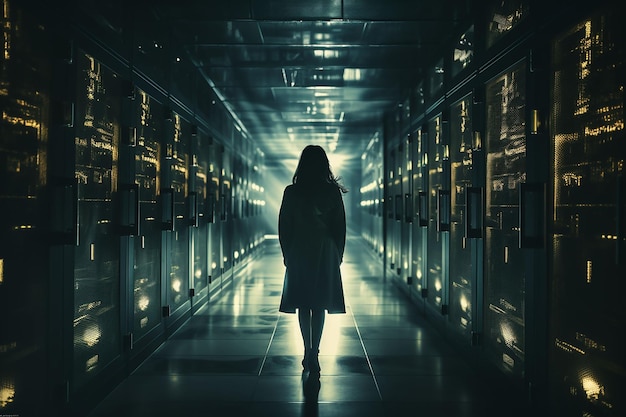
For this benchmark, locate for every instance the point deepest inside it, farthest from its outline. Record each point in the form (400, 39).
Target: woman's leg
(317, 327)
(304, 318)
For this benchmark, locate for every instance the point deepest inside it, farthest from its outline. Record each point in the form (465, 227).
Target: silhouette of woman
(312, 234)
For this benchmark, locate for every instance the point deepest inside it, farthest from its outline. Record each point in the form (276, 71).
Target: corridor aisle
(241, 357)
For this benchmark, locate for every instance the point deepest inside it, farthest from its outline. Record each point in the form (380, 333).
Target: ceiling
(312, 72)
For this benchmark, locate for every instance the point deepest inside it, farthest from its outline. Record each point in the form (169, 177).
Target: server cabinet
(198, 212)
(213, 210)
(175, 210)
(462, 261)
(588, 320)
(438, 215)
(371, 197)
(240, 174)
(407, 210)
(226, 210)
(95, 274)
(145, 136)
(378, 197)
(25, 77)
(394, 212)
(504, 270)
(419, 235)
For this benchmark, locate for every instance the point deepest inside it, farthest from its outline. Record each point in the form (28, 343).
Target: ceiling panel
(301, 71)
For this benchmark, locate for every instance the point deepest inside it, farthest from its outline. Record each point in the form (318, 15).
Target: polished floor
(240, 357)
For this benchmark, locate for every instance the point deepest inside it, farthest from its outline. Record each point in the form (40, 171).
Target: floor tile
(239, 356)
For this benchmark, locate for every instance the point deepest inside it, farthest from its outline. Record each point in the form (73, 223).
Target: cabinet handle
(443, 210)
(193, 209)
(474, 211)
(129, 207)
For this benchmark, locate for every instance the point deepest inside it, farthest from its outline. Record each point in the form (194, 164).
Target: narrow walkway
(241, 357)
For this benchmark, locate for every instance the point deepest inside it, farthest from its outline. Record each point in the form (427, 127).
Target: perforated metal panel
(588, 327)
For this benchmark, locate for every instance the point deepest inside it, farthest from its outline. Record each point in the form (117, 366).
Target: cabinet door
(420, 221)
(199, 211)
(504, 264)
(214, 213)
(175, 179)
(588, 326)
(461, 261)
(96, 272)
(438, 200)
(147, 245)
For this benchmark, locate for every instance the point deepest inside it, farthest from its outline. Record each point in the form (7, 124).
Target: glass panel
(201, 171)
(215, 239)
(147, 267)
(406, 190)
(395, 201)
(461, 264)
(179, 172)
(463, 52)
(25, 103)
(420, 233)
(436, 78)
(96, 258)
(588, 326)
(238, 226)
(504, 267)
(435, 184)
(372, 178)
(504, 16)
(227, 212)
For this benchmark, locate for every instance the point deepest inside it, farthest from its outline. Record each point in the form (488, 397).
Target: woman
(312, 234)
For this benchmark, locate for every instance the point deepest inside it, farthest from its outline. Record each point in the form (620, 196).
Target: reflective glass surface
(505, 171)
(178, 161)
(200, 231)
(437, 285)
(504, 16)
(96, 256)
(461, 262)
(420, 233)
(147, 257)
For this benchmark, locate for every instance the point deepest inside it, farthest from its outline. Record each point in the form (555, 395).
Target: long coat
(312, 234)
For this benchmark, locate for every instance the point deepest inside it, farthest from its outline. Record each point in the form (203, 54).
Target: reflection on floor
(240, 357)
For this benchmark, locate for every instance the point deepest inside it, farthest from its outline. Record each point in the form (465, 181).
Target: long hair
(314, 168)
